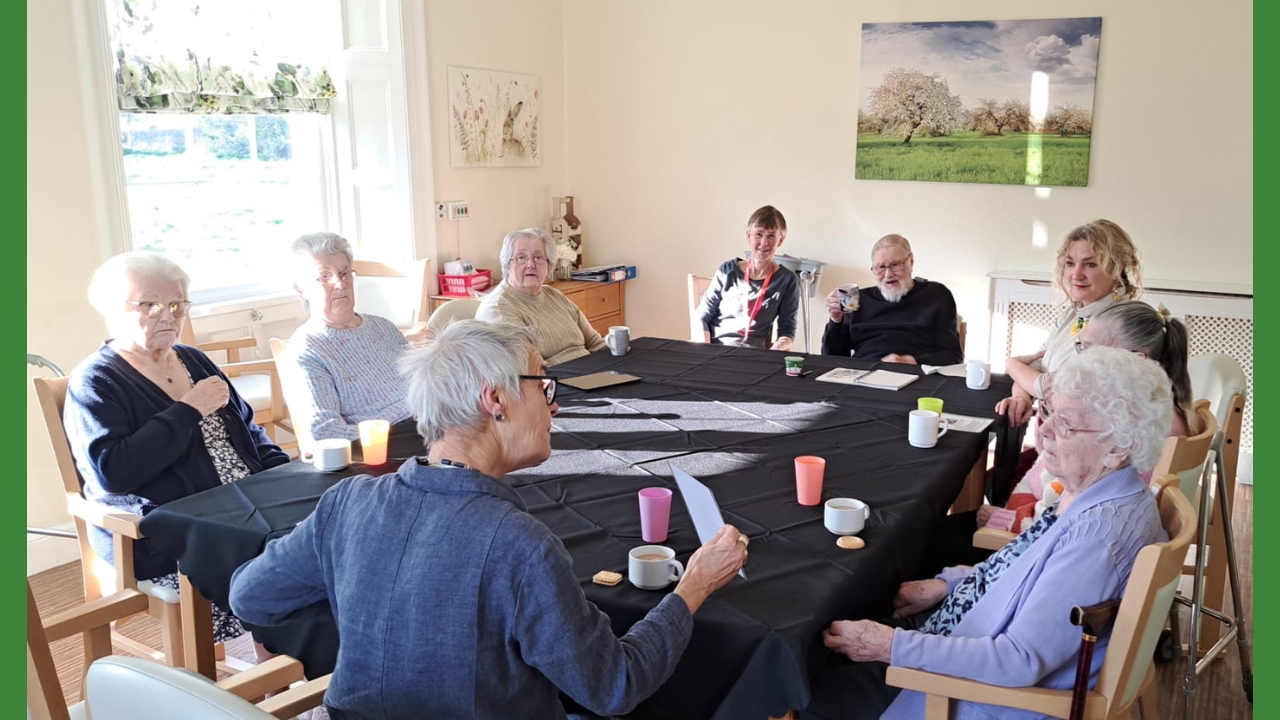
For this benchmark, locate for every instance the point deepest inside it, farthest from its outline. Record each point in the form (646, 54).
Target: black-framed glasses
(328, 278)
(548, 385)
(177, 308)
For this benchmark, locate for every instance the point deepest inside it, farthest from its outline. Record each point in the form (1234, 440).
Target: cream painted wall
(682, 118)
(512, 36)
(63, 247)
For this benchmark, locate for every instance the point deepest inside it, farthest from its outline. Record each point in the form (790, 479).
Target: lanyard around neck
(751, 317)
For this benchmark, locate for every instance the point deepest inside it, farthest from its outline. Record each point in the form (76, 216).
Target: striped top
(349, 375)
(559, 327)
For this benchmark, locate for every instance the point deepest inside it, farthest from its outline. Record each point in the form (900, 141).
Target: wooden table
(604, 304)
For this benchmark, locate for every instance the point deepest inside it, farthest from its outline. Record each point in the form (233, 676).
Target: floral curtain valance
(229, 56)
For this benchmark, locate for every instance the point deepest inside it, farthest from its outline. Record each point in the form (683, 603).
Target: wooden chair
(1182, 458)
(697, 287)
(1126, 674)
(962, 327)
(46, 699)
(255, 380)
(460, 309)
(101, 579)
(399, 291)
(120, 688)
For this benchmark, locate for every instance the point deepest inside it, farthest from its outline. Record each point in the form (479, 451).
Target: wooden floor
(1218, 693)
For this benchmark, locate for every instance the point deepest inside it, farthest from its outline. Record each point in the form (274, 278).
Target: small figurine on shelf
(567, 231)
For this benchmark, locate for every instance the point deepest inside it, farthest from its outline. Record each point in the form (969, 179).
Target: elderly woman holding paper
(1005, 620)
(480, 596)
(561, 329)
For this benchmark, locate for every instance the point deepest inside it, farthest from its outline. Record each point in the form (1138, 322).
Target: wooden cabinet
(604, 304)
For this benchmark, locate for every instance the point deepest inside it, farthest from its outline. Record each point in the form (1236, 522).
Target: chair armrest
(248, 366)
(94, 614)
(125, 524)
(1034, 699)
(231, 347)
(295, 700)
(991, 539)
(278, 672)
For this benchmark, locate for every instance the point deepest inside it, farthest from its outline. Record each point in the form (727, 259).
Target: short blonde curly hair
(1115, 251)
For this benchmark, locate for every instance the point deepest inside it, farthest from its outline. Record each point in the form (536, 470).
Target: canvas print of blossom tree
(1003, 101)
(493, 119)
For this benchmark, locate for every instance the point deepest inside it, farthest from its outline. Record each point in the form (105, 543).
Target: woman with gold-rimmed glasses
(150, 420)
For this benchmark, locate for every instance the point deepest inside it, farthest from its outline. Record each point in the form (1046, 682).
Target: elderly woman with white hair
(560, 328)
(150, 420)
(347, 359)
(450, 598)
(1005, 620)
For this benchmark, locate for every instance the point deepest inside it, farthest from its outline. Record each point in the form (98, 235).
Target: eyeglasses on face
(1060, 425)
(177, 308)
(525, 259)
(895, 266)
(548, 385)
(328, 278)
(1079, 343)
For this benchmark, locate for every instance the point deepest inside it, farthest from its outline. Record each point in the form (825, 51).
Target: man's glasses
(177, 308)
(328, 278)
(524, 259)
(548, 385)
(883, 268)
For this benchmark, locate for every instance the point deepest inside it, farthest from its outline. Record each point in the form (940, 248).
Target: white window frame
(106, 157)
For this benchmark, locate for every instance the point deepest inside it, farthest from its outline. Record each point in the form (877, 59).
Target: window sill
(220, 307)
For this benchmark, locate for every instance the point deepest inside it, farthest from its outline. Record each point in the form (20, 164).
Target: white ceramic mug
(653, 567)
(329, 454)
(924, 427)
(845, 516)
(977, 374)
(618, 339)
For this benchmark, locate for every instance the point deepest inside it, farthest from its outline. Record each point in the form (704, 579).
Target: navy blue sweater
(922, 324)
(137, 448)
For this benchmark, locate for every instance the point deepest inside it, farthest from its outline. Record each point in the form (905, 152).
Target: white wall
(682, 118)
(520, 36)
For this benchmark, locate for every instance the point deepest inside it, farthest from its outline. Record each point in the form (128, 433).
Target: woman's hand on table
(860, 640)
(208, 395)
(712, 566)
(1018, 407)
(918, 595)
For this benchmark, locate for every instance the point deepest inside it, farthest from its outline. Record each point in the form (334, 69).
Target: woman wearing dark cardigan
(149, 420)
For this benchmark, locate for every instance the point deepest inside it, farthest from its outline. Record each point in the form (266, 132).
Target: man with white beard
(903, 319)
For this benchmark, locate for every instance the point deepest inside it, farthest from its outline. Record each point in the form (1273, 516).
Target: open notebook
(883, 379)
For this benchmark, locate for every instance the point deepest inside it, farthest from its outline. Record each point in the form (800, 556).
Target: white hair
(509, 246)
(107, 288)
(317, 245)
(448, 375)
(1125, 396)
(888, 241)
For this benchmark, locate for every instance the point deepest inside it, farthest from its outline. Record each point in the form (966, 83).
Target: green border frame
(1266, 213)
(13, 205)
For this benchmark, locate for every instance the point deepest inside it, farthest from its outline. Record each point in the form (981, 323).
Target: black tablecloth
(733, 419)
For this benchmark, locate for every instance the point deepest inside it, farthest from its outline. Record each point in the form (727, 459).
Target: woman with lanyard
(746, 297)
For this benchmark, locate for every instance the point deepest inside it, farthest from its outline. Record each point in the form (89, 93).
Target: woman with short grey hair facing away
(560, 328)
(482, 597)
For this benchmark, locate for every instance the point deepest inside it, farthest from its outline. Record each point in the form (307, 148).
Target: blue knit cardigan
(137, 448)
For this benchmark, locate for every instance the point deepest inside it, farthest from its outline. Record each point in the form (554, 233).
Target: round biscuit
(851, 542)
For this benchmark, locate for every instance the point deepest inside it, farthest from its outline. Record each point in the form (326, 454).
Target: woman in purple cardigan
(1005, 621)
(149, 420)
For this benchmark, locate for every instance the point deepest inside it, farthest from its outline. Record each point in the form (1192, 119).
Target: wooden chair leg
(197, 630)
(1147, 703)
(170, 630)
(974, 490)
(1215, 581)
(937, 707)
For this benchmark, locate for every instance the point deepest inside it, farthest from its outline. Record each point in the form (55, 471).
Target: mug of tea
(618, 339)
(329, 454)
(848, 294)
(845, 516)
(924, 427)
(653, 567)
(977, 374)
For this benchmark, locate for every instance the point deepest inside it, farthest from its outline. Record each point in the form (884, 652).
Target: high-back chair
(294, 391)
(255, 380)
(101, 579)
(1126, 674)
(454, 310)
(1182, 459)
(399, 291)
(697, 287)
(46, 699)
(121, 688)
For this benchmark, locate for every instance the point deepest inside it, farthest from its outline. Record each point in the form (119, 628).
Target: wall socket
(460, 210)
(440, 211)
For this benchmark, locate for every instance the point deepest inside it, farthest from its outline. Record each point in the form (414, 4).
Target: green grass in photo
(975, 158)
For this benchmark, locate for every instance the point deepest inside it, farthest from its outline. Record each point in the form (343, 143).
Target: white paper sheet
(967, 423)
(702, 506)
(957, 370)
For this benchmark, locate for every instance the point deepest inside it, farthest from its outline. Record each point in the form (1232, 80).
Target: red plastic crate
(464, 285)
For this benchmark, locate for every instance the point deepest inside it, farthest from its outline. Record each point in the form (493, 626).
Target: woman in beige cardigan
(559, 327)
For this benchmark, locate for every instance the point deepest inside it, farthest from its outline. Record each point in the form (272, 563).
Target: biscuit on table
(606, 577)
(851, 542)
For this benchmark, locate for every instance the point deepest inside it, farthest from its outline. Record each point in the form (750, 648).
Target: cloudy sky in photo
(992, 59)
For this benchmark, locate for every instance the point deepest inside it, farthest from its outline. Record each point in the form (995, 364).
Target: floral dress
(230, 468)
